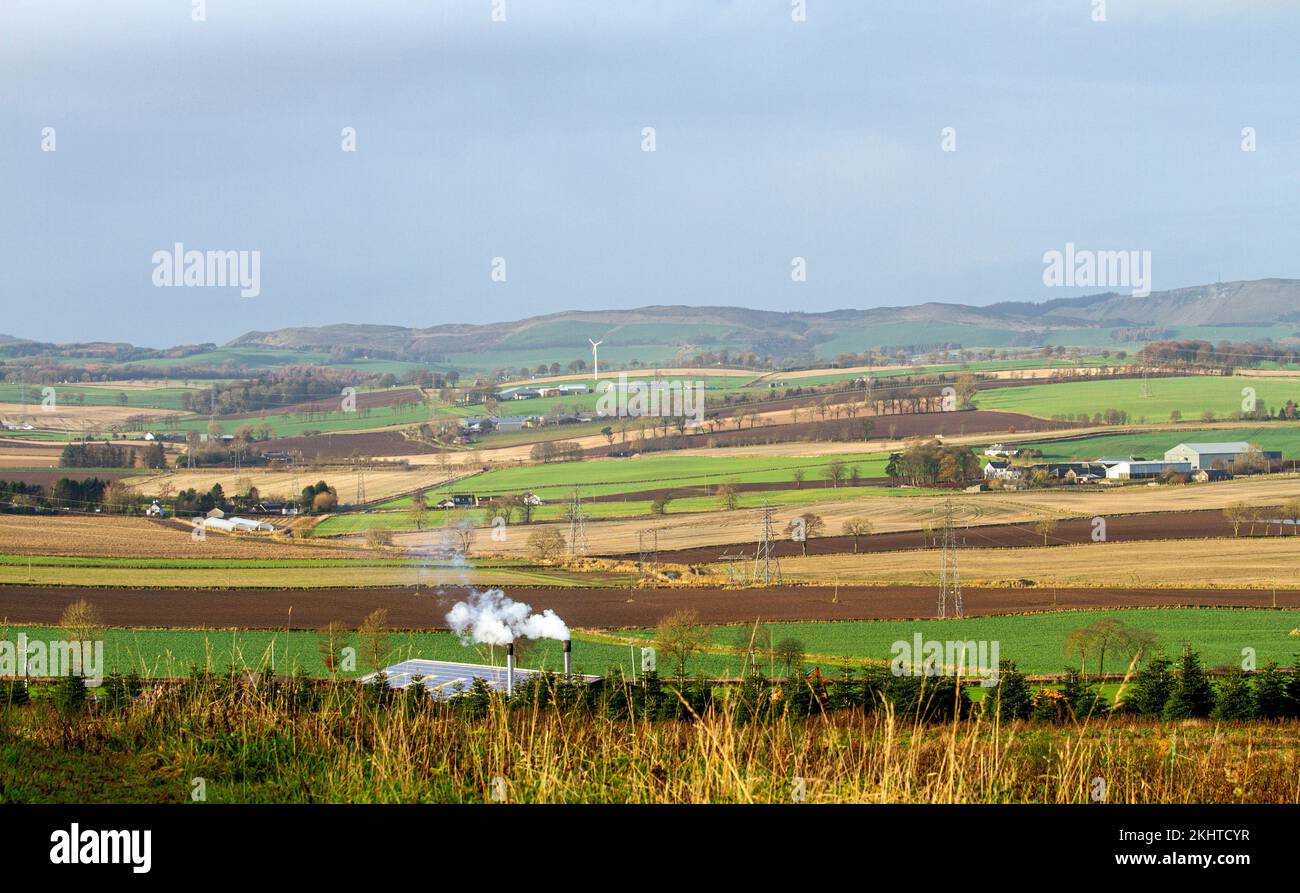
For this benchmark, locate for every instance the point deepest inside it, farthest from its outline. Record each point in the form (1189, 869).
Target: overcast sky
(523, 139)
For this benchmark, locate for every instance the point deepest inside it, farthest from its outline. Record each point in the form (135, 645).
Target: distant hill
(656, 333)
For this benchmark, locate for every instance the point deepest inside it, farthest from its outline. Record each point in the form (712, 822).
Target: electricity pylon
(767, 567)
(949, 575)
(577, 526)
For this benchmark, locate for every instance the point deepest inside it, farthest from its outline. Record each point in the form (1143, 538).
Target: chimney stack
(568, 657)
(510, 669)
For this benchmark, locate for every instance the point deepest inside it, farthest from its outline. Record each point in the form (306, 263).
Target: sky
(777, 136)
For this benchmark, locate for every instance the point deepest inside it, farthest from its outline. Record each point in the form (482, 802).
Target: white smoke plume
(492, 618)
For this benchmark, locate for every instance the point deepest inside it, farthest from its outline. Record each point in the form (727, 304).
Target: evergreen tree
(1293, 691)
(70, 694)
(1193, 696)
(1233, 699)
(1270, 693)
(1150, 692)
(1081, 695)
(1011, 697)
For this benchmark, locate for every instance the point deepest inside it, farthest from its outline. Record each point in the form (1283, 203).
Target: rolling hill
(1260, 308)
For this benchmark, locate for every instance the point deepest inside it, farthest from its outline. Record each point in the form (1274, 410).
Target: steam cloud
(492, 618)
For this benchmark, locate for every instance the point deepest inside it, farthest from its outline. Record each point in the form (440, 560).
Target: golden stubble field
(1245, 563)
(78, 419)
(115, 536)
(280, 485)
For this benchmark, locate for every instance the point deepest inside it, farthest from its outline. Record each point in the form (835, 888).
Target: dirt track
(597, 608)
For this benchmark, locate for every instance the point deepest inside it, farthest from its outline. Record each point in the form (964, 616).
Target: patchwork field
(890, 513)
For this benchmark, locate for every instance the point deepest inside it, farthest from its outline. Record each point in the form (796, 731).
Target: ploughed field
(609, 608)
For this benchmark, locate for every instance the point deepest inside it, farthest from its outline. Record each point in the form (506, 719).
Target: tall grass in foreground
(263, 740)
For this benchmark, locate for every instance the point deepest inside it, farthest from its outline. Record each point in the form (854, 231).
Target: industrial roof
(445, 678)
(1234, 446)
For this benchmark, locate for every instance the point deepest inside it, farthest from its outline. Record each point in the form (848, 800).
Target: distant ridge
(1257, 302)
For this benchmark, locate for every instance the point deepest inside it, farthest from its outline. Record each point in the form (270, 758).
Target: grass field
(294, 424)
(1034, 641)
(1190, 395)
(73, 395)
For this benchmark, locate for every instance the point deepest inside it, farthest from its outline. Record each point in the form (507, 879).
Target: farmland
(1190, 395)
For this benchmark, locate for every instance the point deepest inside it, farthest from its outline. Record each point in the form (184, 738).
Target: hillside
(659, 332)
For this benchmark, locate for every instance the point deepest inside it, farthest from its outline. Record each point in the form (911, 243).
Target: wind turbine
(595, 364)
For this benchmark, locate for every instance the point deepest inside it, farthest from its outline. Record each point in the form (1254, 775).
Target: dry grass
(344, 752)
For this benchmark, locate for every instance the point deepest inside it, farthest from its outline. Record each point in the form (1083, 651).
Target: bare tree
(373, 634)
(680, 635)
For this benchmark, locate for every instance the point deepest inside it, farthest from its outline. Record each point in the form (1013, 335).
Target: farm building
(1205, 455)
(1002, 470)
(238, 525)
(1133, 469)
(509, 423)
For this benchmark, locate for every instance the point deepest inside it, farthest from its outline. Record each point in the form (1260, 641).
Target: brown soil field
(17, 454)
(592, 608)
(115, 536)
(47, 479)
(345, 446)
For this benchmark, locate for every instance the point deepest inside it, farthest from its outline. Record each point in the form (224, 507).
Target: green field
(68, 395)
(294, 424)
(1190, 395)
(1283, 436)
(1034, 642)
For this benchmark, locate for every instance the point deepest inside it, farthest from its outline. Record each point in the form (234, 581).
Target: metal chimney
(510, 669)
(568, 657)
